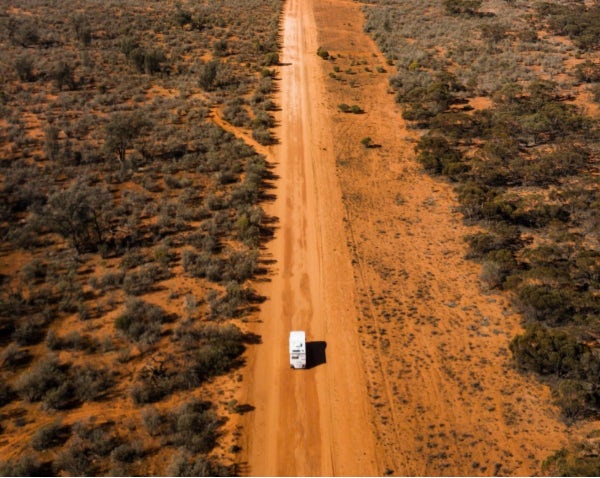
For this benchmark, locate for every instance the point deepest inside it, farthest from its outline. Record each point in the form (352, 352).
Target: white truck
(297, 349)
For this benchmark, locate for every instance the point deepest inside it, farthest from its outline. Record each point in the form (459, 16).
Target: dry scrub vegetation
(130, 225)
(505, 95)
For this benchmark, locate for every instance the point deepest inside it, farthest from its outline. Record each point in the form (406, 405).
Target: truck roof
(298, 336)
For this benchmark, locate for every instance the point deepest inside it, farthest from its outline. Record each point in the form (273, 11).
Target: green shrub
(24, 67)
(29, 330)
(545, 303)
(76, 460)
(367, 141)
(14, 357)
(546, 351)
(194, 426)
(141, 281)
(323, 53)
(579, 460)
(141, 321)
(573, 398)
(49, 436)
(6, 393)
(263, 136)
(153, 420)
(128, 452)
(47, 375)
(271, 59)
(457, 7)
(26, 465)
(218, 351)
(91, 383)
(132, 259)
(143, 393)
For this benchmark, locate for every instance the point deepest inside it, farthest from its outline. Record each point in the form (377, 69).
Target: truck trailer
(297, 349)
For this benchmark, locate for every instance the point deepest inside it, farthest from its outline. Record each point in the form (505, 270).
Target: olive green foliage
(206, 351)
(580, 22)
(578, 460)
(141, 321)
(456, 7)
(323, 53)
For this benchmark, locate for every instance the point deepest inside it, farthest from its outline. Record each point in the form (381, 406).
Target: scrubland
(130, 225)
(504, 97)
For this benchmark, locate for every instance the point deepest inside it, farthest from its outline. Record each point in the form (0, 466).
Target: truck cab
(297, 349)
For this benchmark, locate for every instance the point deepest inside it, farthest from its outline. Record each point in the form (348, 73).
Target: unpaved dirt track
(369, 257)
(315, 421)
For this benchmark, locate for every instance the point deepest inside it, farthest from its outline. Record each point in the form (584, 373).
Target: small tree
(24, 68)
(52, 146)
(80, 214)
(122, 130)
(83, 30)
(63, 75)
(208, 75)
(22, 32)
(458, 7)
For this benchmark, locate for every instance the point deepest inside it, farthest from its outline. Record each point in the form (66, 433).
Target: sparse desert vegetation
(504, 97)
(132, 223)
(130, 226)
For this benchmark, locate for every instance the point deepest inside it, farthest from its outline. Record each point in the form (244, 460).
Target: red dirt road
(315, 421)
(369, 258)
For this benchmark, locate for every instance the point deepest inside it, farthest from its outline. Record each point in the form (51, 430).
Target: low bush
(26, 465)
(151, 389)
(108, 281)
(323, 53)
(49, 436)
(76, 460)
(128, 452)
(437, 156)
(545, 303)
(153, 420)
(29, 330)
(263, 136)
(6, 393)
(141, 281)
(131, 259)
(547, 351)
(574, 397)
(218, 350)
(194, 426)
(91, 383)
(45, 376)
(355, 109)
(73, 340)
(14, 357)
(185, 465)
(579, 460)
(141, 321)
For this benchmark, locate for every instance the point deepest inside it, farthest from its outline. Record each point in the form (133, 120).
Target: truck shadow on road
(315, 353)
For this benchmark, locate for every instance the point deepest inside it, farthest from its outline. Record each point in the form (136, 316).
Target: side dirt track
(368, 258)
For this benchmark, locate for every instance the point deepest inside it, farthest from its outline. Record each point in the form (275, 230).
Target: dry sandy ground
(315, 421)
(368, 258)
